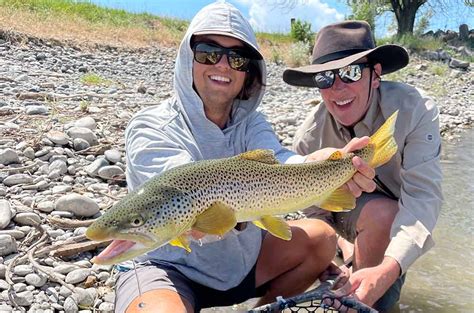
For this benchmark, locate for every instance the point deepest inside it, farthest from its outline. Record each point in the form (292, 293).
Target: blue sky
(264, 18)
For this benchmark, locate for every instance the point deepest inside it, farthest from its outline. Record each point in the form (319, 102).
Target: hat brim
(256, 55)
(391, 57)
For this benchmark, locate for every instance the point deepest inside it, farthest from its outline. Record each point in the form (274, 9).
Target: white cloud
(265, 17)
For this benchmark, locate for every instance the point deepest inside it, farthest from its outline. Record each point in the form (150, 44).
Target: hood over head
(219, 18)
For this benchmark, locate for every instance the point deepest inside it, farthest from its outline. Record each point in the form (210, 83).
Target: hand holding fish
(362, 181)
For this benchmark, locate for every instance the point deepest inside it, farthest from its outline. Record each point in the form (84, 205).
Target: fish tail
(384, 143)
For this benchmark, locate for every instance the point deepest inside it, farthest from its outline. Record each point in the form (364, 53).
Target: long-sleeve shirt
(413, 174)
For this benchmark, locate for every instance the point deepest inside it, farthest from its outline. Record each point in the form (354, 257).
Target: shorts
(157, 276)
(345, 222)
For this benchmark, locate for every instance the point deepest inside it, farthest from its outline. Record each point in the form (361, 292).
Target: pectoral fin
(340, 200)
(276, 226)
(218, 219)
(181, 242)
(336, 155)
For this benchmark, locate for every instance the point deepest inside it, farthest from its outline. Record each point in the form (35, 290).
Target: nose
(338, 83)
(223, 62)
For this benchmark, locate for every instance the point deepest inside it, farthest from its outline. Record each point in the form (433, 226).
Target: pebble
(8, 156)
(77, 204)
(77, 276)
(7, 245)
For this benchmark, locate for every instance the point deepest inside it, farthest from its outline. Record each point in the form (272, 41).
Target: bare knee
(377, 215)
(160, 300)
(321, 243)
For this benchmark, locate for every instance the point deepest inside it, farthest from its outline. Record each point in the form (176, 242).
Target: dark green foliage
(301, 31)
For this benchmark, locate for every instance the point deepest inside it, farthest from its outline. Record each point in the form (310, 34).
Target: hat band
(337, 55)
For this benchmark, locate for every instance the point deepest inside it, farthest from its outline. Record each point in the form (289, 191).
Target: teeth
(220, 78)
(343, 102)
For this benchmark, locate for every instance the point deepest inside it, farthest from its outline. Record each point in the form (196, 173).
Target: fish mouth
(125, 246)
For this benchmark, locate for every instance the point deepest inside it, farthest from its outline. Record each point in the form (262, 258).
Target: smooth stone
(4, 285)
(36, 280)
(78, 204)
(83, 133)
(87, 122)
(58, 137)
(77, 276)
(62, 214)
(113, 155)
(65, 268)
(27, 219)
(23, 270)
(36, 110)
(5, 213)
(7, 245)
(17, 179)
(9, 156)
(45, 206)
(58, 165)
(3, 269)
(111, 172)
(106, 307)
(15, 233)
(61, 189)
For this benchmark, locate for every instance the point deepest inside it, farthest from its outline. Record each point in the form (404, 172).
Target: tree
(405, 13)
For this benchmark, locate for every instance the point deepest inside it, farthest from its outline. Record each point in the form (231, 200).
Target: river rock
(17, 179)
(8, 156)
(77, 276)
(83, 133)
(111, 172)
(78, 204)
(57, 137)
(87, 122)
(36, 280)
(5, 213)
(7, 245)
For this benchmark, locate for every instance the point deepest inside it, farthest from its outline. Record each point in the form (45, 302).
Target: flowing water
(443, 279)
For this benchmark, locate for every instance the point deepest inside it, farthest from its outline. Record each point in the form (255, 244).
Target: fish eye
(137, 221)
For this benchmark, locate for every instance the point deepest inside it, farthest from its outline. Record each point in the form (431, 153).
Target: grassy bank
(87, 23)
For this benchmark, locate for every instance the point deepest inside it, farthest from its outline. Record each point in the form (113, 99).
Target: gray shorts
(153, 276)
(345, 222)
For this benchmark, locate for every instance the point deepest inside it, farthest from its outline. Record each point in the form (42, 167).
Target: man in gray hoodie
(219, 81)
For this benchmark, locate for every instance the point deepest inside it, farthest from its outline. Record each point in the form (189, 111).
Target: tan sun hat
(338, 45)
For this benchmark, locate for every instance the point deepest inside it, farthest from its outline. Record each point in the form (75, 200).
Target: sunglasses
(348, 74)
(210, 54)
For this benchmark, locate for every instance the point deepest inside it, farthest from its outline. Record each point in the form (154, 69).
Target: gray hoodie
(177, 132)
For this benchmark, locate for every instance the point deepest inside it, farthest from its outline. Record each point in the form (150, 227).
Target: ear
(376, 78)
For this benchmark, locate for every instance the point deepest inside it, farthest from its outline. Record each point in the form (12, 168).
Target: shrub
(298, 54)
(301, 31)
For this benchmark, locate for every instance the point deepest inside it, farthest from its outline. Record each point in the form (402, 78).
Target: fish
(212, 196)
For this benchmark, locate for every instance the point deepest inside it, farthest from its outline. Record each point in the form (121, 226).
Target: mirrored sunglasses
(348, 74)
(210, 53)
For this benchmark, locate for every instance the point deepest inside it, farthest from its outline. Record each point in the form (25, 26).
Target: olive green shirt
(413, 174)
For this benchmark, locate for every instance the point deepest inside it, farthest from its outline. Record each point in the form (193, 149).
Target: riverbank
(63, 110)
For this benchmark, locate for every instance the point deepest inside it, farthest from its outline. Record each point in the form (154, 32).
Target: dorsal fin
(260, 155)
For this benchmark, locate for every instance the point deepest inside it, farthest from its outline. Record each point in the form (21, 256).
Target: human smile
(220, 78)
(343, 102)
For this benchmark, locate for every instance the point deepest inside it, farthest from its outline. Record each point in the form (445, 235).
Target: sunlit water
(443, 279)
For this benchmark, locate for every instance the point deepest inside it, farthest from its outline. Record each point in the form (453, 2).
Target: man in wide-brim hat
(390, 228)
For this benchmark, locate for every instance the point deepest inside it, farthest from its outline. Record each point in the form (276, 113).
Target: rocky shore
(63, 110)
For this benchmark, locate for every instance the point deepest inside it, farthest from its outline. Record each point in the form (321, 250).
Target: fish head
(142, 221)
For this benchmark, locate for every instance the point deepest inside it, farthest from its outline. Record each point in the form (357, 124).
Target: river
(443, 279)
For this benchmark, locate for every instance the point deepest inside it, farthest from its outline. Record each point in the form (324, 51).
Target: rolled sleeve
(420, 193)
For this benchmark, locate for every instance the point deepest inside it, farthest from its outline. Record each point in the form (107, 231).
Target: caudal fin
(384, 143)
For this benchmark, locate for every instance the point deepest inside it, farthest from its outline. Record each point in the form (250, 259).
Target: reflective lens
(348, 74)
(209, 53)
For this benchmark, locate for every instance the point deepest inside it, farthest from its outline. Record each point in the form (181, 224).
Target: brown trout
(212, 196)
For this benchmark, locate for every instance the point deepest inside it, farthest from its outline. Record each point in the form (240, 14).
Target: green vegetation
(298, 54)
(94, 80)
(90, 12)
(301, 31)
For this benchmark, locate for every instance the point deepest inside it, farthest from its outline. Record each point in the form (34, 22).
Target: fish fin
(384, 143)
(260, 155)
(336, 155)
(276, 226)
(182, 242)
(218, 219)
(339, 201)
